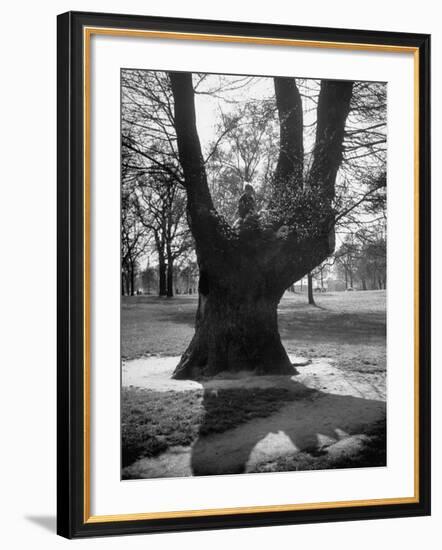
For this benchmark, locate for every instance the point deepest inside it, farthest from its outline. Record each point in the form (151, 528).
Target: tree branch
(208, 227)
(333, 108)
(291, 151)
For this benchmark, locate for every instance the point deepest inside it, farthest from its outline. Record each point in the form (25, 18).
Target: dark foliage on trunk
(244, 272)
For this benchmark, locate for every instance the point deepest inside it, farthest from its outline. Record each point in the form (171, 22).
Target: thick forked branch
(333, 108)
(189, 147)
(208, 228)
(303, 255)
(291, 152)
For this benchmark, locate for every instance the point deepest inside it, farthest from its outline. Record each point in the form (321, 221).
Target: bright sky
(209, 107)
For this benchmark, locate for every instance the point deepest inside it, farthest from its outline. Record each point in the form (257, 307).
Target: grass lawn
(349, 327)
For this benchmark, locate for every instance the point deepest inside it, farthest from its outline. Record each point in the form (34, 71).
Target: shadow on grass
(153, 421)
(318, 324)
(233, 430)
(309, 422)
(335, 322)
(312, 324)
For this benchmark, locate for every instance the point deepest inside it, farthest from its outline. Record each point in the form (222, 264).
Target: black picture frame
(72, 517)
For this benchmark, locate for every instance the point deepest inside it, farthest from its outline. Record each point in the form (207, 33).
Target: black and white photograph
(253, 274)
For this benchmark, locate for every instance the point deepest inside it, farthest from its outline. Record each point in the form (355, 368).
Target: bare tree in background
(161, 208)
(133, 244)
(149, 147)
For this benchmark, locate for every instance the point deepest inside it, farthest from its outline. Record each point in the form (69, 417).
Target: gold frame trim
(87, 33)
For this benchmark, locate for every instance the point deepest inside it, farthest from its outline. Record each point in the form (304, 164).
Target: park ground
(330, 415)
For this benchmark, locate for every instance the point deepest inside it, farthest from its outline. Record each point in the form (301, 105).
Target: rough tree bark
(243, 274)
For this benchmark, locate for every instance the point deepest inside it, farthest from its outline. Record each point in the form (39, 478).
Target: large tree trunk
(236, 329)
(244, 273)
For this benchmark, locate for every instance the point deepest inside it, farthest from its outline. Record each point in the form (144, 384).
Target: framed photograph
(243, 274)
